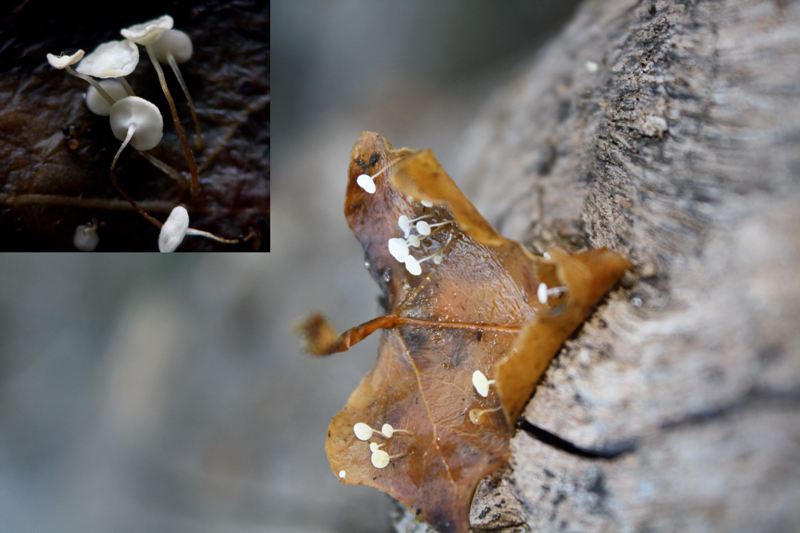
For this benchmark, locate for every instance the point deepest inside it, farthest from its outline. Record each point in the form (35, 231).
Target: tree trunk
(669, 131)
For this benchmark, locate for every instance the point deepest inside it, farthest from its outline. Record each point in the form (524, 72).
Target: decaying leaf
(468, 300)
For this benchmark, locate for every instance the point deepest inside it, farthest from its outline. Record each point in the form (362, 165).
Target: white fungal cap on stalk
(62, 61)
(541, 293)
(412, 266)
(342, 474)
(173, 47)
(362, 431)
(85, 238)
(380, 459)
(142, 118)
(174, 229)
(398, 248)
(97, 104)
(113, 59)
(427, 203)
(481, 383)
(365, 182)
(374, 447)
(404, 223)
(387, 430)
(173, 42)
(148, 32)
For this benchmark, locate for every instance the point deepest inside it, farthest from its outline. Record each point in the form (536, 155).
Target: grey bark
(669, 131)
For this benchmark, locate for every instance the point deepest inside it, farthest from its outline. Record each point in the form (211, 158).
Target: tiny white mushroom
(380, 459)
(414, 241)
(362, 431)
(148, 32)
(112, 59)
(365, 182)
(342, 474)
(175, 47)
(423, 228)
(65, 62)
(412, 266)
(427, 203)
(136, 121)
(543, 292)
(174, 229)
(97, 104)
(475, 415)
(398, 248)
(85, 238)
(481, 383)
(374, 447)
(387, 430)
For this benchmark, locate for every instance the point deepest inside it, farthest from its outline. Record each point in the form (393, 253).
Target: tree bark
(668, 131)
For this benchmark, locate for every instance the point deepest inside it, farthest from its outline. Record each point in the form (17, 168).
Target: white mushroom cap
(146, 117)
(148, 32)
(62, 61)
(176, 43)
(481, 383)
(174, 229)
(97, 104)
(85, 238)
(113, 59)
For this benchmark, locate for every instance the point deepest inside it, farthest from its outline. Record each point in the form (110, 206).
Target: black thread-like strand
(542, 435)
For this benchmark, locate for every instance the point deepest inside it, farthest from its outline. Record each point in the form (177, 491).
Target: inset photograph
(146, 129)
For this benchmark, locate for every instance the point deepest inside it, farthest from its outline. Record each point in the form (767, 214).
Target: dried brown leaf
(476, 310)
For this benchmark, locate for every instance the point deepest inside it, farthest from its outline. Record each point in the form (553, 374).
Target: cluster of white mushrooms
(379, 458)
(134, 120)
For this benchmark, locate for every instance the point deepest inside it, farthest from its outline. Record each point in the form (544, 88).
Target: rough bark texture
(669, 131)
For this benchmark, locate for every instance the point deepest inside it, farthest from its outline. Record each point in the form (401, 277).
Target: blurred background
(143, 393)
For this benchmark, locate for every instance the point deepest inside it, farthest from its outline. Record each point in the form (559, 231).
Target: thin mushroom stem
(145, 214)
(93, 83)
(187, 151)
(165, 168)
(207, 235)
(198, 139)
(128, 88)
